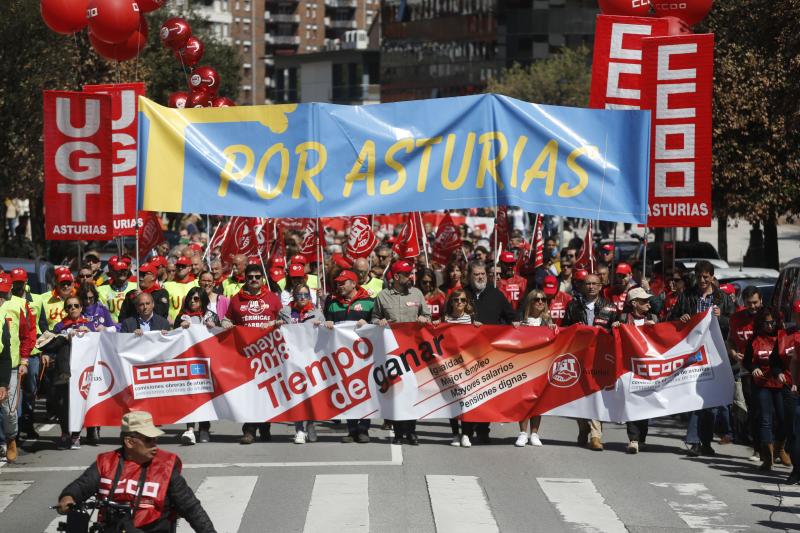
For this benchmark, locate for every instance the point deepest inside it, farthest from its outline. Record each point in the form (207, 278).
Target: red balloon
(113, 21)
(124, 51)
(631, 8)
(178, 99)
(689, 11)
(175, 32)
(146, 6)
(204, 79)
(222, 101)
(192, 53)
(199, 99)
(64, 16)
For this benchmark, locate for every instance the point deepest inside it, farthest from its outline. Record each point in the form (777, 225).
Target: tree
(33, 58)
(756, 118)
(562, 79)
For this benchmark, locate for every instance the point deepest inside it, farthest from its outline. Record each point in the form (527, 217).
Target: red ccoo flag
(150, 233)
(447, 241)
(313, 236)
(502, 229)
(407, 243)
(241, 237)
(534, 258)
(362, 239)
(586, 257)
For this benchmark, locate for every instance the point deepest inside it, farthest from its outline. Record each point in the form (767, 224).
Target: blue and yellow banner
(313, 160)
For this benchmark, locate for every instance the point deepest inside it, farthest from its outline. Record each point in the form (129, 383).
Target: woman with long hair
(459, 310)
(435, 298)
(534, 313)
(452, 278)
(216, 302)
(195, 310)
(767, 357)
(93, 310)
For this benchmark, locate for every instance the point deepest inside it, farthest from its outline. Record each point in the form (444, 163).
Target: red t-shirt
(513, 289)
(253, 310)
(558, 306)
(436, 301)
(741, 329)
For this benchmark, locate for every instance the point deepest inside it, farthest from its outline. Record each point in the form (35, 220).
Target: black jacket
(160, 304)
(605, 313)
(5, 357)
(131, 324)
(491, 306)
(180, 499)
(687, 305)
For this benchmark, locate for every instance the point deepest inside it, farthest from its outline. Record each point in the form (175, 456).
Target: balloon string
(185, 74)
(79, 70)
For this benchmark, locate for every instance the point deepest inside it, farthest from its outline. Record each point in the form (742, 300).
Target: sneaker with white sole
(300, 437)
(633, 447)
(75, 444)
(522, 440)
(456, 440)
(188, 438)
(756, 458)
(535, 440)
(465, 443)
(311, 432)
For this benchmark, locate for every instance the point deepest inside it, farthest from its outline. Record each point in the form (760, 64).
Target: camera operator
(141, 475)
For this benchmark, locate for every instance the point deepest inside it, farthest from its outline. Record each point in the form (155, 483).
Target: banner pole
(421, 227)
(321, 261)
(644, 255)
(496, 250)
(205, 253)
(138, 259)
(613, 255)
(533, 238)
(80, 254)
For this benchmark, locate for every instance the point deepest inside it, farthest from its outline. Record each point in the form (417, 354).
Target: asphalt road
(334, 487)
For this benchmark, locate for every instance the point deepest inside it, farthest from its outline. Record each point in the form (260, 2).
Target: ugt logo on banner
(77, 166)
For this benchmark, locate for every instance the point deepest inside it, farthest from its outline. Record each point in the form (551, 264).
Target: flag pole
(321, 261)
(533, 238)
(207, 251)
(424, 239)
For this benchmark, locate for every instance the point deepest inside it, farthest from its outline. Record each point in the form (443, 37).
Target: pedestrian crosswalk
(345, 502)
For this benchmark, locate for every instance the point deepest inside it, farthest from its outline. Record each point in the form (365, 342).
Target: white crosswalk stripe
(225, 499)
(696, 506)
(9, 490)
(459, 504)
(579, 503)
(342, 500)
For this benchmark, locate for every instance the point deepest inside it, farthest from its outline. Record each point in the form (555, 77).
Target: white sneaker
(311, 432)
(390, 434)
(188, 438)
(754, 458)
(633, 447)
(535, 441)
(465, 443)
(522, 440)
(456, 440)
(300, 437)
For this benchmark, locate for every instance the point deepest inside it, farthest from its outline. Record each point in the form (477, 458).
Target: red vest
(762, 349)
(558, 306)
(741, 329)
(153, 499)
(436, 303)
(513, 289)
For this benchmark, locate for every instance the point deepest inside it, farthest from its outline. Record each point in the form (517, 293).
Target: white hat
(638, 293)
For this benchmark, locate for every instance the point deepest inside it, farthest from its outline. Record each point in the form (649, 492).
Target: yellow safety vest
(113, 299)
(12, 311)
(53, 309)
(177, 293)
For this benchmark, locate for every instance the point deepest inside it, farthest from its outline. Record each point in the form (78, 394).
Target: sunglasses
(72, 306)
(460, 300)
(568, 256)
(254, 276)
(146, 440)
(184, 266)
(302, 296)
(195, 298)
(539, 299)
(84, 276)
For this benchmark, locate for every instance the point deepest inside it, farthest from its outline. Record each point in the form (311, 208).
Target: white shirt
(530, 321)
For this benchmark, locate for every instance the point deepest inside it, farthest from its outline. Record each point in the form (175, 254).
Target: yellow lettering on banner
(564, 190)
(518, 149)
(228, 173)
(263, 192)
(487, 164)
(402, 144)
(465, 162)
(425, 160)
(548, 154)
(366, 155)
(304, 174)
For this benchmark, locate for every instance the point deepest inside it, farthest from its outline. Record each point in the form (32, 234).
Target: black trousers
(251, 427)
(638, 430)
(403, 428)
(467, 428)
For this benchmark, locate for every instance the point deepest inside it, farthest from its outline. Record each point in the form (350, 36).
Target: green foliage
(562, 79)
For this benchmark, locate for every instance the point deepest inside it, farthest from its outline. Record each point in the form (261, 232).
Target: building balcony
(342, 3)
(343, 24)
(276, 18)
(281, 2)
(281, 39)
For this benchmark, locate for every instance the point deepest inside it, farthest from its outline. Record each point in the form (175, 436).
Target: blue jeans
(771, 414)
(701, 427)
(722, 419)
(30, 386)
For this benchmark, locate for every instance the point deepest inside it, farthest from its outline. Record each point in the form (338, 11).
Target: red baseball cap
(402, 267)
(278, 261)
(126, 259)
(299, 259)
(148, 267)
(196, 246)
(64, 276)
(159, 261)
(580, 274)
(342, 261)
(623, 268)
(18, 274)
(607, 247)
(60, 269)
(728, 288)
(276, 274)
(550, 285)
(113, 259)
(507, 257)
(345, 275)
(118, 266)
(296, 271)
(183, 261)
(255, 260)
(5, 283)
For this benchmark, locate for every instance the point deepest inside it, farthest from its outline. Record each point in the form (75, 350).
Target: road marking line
(579, 503)
(225, 499)
(459, 504)
(699, 508)
(10, 490)
(396, 460)
(339, 502)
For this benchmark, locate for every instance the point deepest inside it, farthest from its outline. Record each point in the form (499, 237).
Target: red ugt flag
(447, 240)
(150, 233)
(502, 229)
(586, 258)
(407, 243)
(240, 238)
(313, 236)
(362, 239)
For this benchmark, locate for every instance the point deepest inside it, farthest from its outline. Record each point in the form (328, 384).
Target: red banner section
(77, 166)
(678, 87)
(124, 130)
(406, 371)
(150, 233)
(617, 64)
